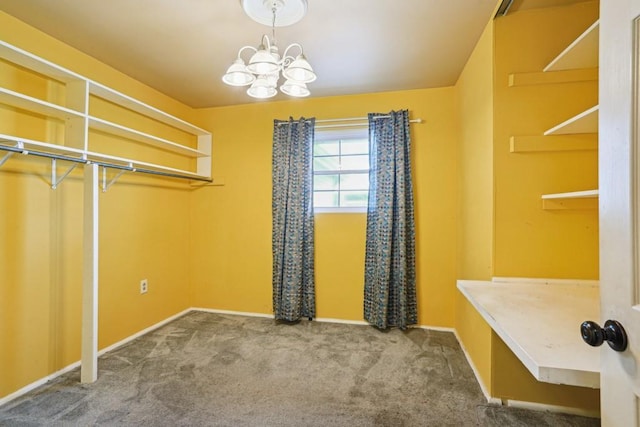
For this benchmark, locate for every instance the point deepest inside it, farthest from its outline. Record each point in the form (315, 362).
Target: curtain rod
(100, 163)
(338, 122)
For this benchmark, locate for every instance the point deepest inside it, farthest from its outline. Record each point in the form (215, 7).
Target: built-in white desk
(540, 322)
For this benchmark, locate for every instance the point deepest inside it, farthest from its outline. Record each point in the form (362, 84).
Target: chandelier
(262, 72)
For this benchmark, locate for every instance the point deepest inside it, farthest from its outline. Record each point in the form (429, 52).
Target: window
(341, 171)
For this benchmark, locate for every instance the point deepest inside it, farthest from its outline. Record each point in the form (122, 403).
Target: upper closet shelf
(28, 103)
(118, 98)
(77, 91)
(39, 65)
(71, 153)
(125, 132)
(585, 122)
(582, 53)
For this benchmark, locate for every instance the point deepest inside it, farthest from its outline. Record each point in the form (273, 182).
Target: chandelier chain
(273, 24)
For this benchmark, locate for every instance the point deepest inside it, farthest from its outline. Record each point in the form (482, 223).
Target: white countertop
(540, 322)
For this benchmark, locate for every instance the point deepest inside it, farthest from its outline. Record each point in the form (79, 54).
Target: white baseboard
(552, 408)
(74, 365)
(483, 387)
(142, 332)
(235, 313)
(437, 328)
(342, 321)
(26, 389)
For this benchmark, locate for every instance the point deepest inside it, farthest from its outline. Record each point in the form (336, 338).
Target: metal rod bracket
(106, 185)
(55, 181)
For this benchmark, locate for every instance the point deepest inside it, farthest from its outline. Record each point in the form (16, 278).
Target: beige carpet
(208, 369)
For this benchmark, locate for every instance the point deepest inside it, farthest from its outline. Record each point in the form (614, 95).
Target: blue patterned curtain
(292, 205)
(390, 275)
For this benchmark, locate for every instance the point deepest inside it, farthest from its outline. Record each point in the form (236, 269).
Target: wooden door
(619, 153)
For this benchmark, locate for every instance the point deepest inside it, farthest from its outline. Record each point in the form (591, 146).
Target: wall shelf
(139, 107)
(541, 143)
(35, 105)
(585, 122)
(39, 65)
(582, 53)
(556, 77)
(575, 200)
(79, 119)
(587, 194)
(128, 133)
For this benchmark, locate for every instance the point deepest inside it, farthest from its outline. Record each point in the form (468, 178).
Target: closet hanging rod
(101, 163)
(353, 119)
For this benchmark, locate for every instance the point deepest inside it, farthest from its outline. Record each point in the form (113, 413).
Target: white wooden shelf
(132, 104)
(35, 105)
(582, 53)
(588, 194)
(30, 144)
(541, 143)
(585, 122)
(540, 323)
(125, 132)
(78, 90)
(39, 65)
(75, 153)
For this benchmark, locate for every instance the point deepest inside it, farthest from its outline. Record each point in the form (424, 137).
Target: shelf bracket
(55, 181)
(106, 185)
(5, 158)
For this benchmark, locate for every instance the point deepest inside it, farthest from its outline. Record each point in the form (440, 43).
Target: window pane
(325, 199)
(355, 162)
(353, 198)
(326, 148)
(354, 181)
(325, 182)
(355, 146)
(326, 163)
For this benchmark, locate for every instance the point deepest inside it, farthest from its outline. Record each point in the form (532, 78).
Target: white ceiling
(183, 47)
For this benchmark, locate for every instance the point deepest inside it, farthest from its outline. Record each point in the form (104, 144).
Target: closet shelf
(523, 312)
(32, 62)
(132, 104)
(585, 122)
(125, 132)
(28, 103)
(582, 53)
(83, 155)
(30, 144)
(587, 194)
(78, 89)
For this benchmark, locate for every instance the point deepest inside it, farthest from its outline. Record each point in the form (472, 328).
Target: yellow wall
(512, 381)
(517, 238)
(231, 251)
(41, 234)
(474, 95)
(530, 241)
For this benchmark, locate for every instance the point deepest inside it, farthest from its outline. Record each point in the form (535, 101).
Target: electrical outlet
(144, 286)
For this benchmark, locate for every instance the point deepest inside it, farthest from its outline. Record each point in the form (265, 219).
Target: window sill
(340, 210)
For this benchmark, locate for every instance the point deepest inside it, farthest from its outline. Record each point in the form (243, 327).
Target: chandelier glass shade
(265, 65)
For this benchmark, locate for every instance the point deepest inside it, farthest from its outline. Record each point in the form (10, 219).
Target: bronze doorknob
(613, 333)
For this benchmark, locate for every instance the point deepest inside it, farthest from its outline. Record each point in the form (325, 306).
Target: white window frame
(332, 135)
